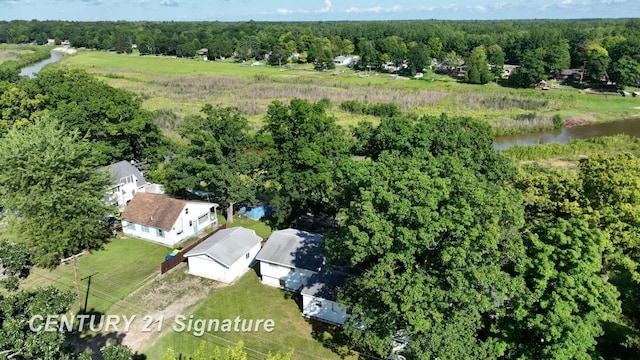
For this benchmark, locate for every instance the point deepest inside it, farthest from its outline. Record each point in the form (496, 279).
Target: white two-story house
(293, 260)
(126, 181)
(166, 220)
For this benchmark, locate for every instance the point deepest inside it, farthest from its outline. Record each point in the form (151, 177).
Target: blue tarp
(255, 213)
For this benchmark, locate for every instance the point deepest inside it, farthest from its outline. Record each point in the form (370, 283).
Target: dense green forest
(606, 49)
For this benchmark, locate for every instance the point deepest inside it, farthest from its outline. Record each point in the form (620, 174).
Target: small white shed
(225, 255)
(319, 297)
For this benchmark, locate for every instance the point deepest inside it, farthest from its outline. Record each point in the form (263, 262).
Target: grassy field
(248, 298)
(179, 87)
(574, 149)
(110, 274)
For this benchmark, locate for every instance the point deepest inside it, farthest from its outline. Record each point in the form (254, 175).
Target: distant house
(507, 70)
(166, 220)
(225, 255)
(203, 53)
(570, 76)
(293, 260)
(127, 180)
(345, 60)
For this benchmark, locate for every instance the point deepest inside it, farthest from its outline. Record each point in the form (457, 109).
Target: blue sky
(314, 10)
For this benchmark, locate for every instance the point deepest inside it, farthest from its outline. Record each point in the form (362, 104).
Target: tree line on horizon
(605, 48)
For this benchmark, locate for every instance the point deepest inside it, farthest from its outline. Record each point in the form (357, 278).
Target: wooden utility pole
(75, 273)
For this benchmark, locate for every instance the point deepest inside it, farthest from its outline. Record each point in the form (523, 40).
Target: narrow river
(630, 127)
(32, 70)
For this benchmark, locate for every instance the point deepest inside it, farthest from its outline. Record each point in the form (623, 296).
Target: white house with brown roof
(225, 255)
(166, 220)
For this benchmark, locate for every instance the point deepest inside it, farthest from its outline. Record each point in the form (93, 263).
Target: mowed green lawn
(248, 299)
(111, 274)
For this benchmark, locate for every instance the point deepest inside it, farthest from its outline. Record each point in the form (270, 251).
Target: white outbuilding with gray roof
(290, 257)
(226, 255)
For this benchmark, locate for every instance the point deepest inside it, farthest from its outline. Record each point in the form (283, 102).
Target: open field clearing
(180, 87)
(248, 298)
(108, 275)
(575, 149)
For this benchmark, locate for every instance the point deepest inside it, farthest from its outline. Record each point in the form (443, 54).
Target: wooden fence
(179, 258)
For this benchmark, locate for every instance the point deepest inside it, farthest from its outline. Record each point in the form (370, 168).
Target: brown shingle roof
(154, 210)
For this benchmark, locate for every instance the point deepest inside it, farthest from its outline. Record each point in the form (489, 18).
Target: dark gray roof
(294, 248)
(325, 285)
(123, 169)
(226, 246)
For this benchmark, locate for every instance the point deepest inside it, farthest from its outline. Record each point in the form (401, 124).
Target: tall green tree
(17, 340)
(305, 144)
(434, 235)
(111, 118)
(477, 67)
(612, 198)
(530, 71)
(51, 184)
(566, 298)
(625, 72)
(216, 159)
(418, 58)
(597, 62)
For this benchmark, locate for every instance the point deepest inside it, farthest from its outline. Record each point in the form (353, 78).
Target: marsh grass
(180, 87)
(574, 149)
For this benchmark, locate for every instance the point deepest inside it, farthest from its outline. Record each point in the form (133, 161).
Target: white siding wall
(184, 227)
(203, 265)
(323, 309)
(241, 266)
(169, 238)
(283, 277)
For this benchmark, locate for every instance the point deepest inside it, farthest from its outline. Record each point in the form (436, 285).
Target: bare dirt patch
(165, 297)
(155, 305)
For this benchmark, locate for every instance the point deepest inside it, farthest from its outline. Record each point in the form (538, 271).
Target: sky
(313, 10)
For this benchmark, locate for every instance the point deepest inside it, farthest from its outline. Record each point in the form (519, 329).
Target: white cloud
(478, 8)
(170, 2)
(284, 11)
(396, 8)
(327, 6)
(376, 9)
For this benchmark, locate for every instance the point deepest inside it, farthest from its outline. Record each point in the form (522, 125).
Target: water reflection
(629, 127)
(32, 70)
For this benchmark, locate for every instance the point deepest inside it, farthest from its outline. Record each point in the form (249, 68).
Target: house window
(283, 283)
(246, 256)
(319, 303)
(144, 228)
(190, 223)
(160, 233)
(186, 210)
(203, 218)
(127, 180)
(130, 226)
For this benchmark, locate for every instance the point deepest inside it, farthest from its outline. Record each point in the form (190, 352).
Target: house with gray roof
(293, 260)
(290, 257)
(225, 255)
(126, 181)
